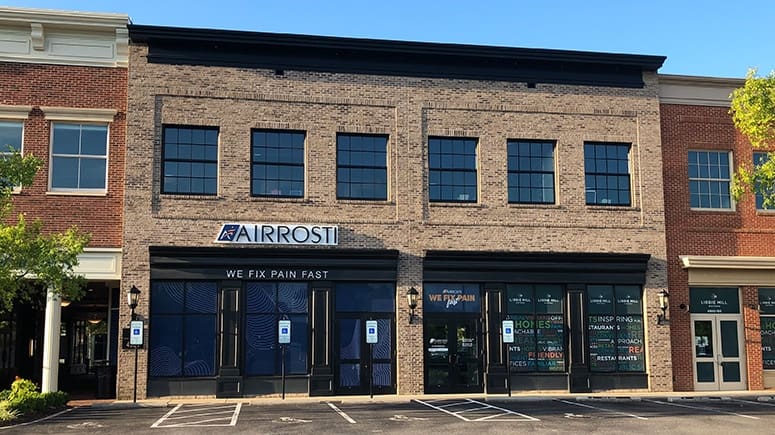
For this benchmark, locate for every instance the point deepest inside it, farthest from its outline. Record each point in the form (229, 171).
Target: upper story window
(190, 160)
(361, 166)
(531, 171)
(79, 157)
(452, 169)
(709, 180)
(278, 163)
(10, 141)
(758, 159)
(607, 173)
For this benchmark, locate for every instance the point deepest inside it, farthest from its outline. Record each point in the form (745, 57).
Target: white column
(51, 343)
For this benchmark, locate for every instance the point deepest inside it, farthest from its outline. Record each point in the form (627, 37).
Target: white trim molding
(73, 114)
(100, 264)
(729, 270)
(697, 91)
(63, 37)
(14, 112)
(723, 262)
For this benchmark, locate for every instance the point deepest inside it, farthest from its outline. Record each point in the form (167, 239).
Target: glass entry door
(719, 362)
(453, 362)
(356, 359)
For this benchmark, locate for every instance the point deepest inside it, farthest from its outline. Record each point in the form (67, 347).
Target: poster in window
(768, 341)
(522, 351)
(631, 357)
(550, 355)
(602, 343)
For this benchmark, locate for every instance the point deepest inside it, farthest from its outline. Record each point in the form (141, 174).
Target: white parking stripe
(178, 417)
(38, 420)
(340, 412)
(441, 409)
(704, 408)
(458, 414)
(601, 409)
(164, 417)
(507, 411)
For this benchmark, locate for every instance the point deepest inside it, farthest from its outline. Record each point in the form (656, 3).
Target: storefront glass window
(267, 303)
(767, 322)
(539, 327)
(182, 329)
(615, 328)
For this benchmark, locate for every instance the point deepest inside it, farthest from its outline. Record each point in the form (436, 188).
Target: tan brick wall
(408, 110)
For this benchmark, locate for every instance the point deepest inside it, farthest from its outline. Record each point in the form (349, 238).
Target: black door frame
(452, 321)
(364, 359)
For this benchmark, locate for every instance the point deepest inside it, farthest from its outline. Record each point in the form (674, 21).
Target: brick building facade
(63, 82)
(718, 249)
(499, 184)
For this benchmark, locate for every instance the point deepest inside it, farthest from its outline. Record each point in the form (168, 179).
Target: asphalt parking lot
(459, 415)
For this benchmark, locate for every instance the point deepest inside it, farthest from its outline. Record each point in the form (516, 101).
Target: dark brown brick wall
(73, 87)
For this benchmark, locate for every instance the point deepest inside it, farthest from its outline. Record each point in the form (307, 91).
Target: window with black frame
(615, 328)
(452, 169)
(190, 160)
(278, 163)
(182, 329)
(607, 173)
(539, 327)
(531, 171)
(267, 304)
(361, 166)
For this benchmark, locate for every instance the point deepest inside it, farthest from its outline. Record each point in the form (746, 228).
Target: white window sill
(75, 193)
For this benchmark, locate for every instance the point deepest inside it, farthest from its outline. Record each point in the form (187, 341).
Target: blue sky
(717, 38)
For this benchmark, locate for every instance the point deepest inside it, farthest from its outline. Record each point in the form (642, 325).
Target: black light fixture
(662, 319)
(132, 296)
(411, 301)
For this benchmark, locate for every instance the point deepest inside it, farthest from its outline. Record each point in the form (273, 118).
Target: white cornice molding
(724, 262)
(64, 37)
(14, 112)
(696, 90)
(78, 114)
(62, 18)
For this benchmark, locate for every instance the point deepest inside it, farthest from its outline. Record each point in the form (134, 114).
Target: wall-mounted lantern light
(662, 319)
(411, 301)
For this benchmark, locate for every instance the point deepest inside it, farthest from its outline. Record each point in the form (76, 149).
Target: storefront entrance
(717, 335)
(718, 352)
(453, 362)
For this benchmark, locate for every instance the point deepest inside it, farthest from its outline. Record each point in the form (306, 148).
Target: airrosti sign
(278, 234)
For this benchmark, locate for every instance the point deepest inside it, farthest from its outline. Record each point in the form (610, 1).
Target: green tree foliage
(32, 260)
(753, 112)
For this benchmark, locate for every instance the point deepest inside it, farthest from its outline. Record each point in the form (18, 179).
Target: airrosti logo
(278, 234)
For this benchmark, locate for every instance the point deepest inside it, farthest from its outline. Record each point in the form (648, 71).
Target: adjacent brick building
(494, 183)
(720, 262)
(63, 83)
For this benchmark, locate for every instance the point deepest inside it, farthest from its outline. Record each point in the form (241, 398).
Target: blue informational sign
(284, 331)
(136, 333)
(508, 331)
(371, 332)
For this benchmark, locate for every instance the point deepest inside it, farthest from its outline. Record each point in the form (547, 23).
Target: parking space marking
(482, 406)
(194, 416)
(38, 420)
(584, 405)
(703, 408)
(340, 412)
(754, 402)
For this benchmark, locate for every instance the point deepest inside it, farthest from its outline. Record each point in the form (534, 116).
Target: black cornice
(213, 47)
